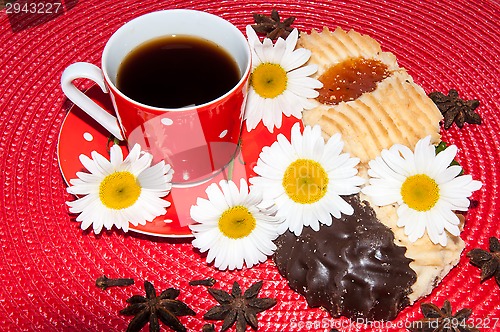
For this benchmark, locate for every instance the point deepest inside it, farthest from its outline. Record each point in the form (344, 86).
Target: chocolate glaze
(352, 268)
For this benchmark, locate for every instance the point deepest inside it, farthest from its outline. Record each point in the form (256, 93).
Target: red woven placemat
(49, 265)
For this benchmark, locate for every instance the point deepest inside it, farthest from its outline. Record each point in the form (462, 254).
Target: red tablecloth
(49, 266)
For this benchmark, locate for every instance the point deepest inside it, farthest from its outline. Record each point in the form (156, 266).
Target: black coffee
(177, 71)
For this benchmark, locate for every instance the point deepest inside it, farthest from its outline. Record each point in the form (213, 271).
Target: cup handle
(94, 73)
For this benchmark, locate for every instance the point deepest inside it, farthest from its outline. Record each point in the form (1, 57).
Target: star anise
(272, 25)
(489, 262)
(208, 328)
(442, 319)
(238, 307)
(455, 109)
(209, 282)
(151, 308)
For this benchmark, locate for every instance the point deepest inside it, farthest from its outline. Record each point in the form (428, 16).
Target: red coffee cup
(197, 141)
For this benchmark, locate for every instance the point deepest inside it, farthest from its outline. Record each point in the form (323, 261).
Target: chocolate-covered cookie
(351, 268)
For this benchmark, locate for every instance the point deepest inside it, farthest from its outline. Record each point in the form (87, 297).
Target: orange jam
(350, 79)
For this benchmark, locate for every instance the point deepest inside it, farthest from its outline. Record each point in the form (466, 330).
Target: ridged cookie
(329, 48)
(397, 111)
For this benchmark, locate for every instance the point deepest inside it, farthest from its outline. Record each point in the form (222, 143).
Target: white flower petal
(442, 162)
(295, 59)
(302, 72)
(251, 36)
(216, 197)
(115, 156)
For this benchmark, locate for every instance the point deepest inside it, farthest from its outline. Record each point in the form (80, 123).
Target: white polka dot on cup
(167, 121)
(88, 137)
(224, 133)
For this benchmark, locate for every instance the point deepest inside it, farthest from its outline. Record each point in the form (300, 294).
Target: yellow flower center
(269, 80)
(305, 181)
(237, 222)
(420, 192)
(119, 190)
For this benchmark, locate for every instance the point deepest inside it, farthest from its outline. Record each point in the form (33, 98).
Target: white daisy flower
(424, 185)
(118, 192)
(278, 82)
(233, 226)
(306, 178)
